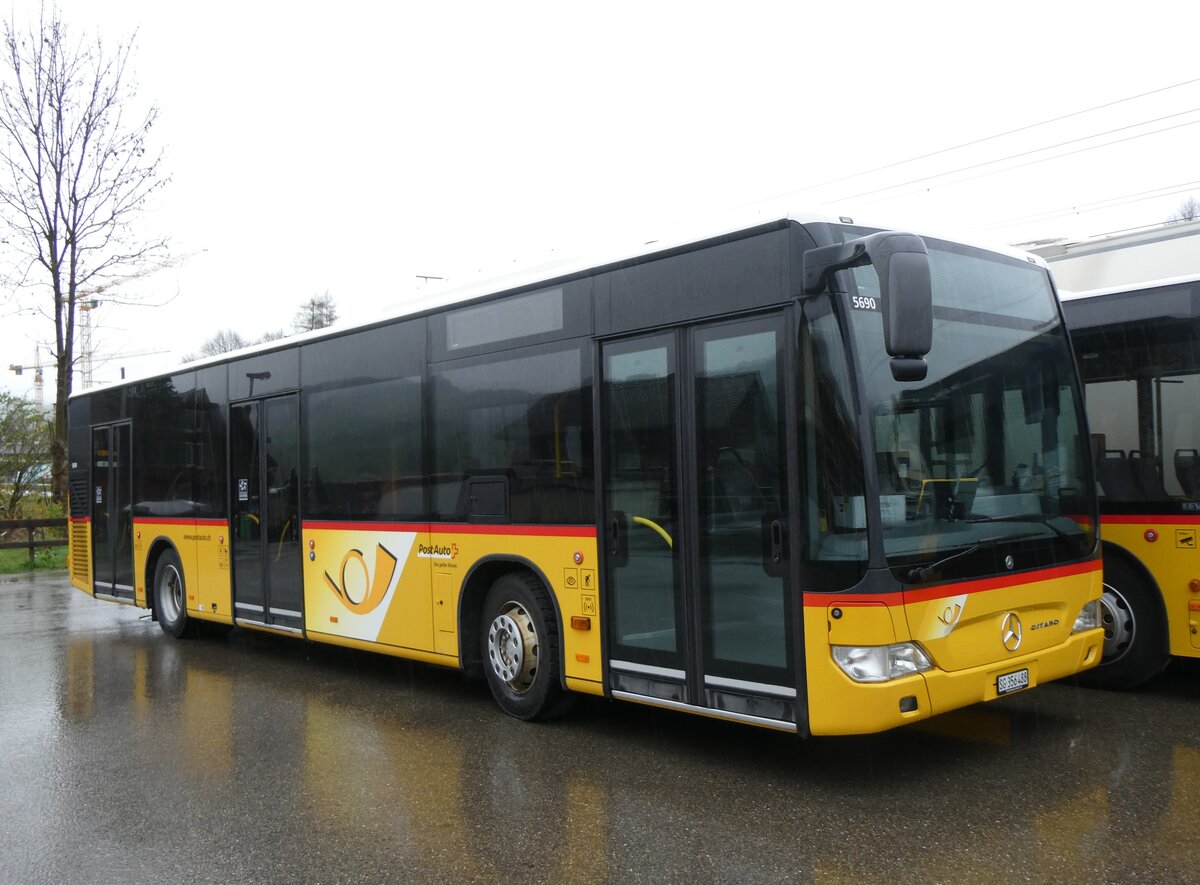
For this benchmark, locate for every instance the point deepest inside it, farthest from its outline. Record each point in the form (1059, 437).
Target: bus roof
(1158, 301)
(1067, 295)
(712, 227)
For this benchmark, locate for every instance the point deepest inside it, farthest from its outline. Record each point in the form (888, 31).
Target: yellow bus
(1139, 355)
(799, 474)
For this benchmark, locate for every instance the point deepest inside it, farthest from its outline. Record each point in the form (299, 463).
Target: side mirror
(901, 262)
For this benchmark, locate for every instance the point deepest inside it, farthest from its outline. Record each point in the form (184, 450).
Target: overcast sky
(351, 147)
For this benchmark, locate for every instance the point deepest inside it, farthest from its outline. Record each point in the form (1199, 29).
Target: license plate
(1014, 681)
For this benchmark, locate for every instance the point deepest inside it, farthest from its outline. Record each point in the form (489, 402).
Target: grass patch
(16, 561)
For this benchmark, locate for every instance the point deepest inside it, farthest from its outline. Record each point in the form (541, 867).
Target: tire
(520, 647)
(170, 597)
(1134, 632)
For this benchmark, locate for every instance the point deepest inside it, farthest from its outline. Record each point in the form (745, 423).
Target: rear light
(881, 663)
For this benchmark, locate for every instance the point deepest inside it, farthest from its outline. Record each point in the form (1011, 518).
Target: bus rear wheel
(170, 597)
(520, 648)
(1134, 634)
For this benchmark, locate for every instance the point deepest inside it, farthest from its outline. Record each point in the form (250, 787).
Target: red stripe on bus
(544, 531)
(941, 591)
(177, 520)
(1149, 519)
(325, 525)
(549, 531)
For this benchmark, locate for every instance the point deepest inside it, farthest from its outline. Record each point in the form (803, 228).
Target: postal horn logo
(359, 588)
(951, 614)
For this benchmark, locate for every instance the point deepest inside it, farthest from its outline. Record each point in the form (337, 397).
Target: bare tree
(223, 342)
(315, 313)
(75, 173)
(1189, 210)
(24, 451)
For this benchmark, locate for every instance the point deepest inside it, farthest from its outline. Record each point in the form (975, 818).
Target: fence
(32, 527)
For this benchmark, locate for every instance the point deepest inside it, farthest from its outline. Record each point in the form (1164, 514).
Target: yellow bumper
(849, 707)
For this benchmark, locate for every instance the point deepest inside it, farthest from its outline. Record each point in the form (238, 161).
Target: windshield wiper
(922, 573)
(1038, 519)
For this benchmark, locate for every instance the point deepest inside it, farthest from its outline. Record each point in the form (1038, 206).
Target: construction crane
(39, 378)
(86, 303)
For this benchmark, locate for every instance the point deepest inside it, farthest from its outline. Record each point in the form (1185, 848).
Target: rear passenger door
(112, 512)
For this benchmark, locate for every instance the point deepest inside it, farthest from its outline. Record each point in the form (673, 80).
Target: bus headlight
(880, 663)
(1089, 617)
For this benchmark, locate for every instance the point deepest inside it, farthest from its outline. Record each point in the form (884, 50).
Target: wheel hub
(1116, 617)
(172, 598)
(513, 647)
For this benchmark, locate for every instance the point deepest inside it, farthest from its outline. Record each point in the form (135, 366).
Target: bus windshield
(982, 466)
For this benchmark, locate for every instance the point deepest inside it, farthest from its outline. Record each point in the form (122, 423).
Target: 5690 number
(864, 302)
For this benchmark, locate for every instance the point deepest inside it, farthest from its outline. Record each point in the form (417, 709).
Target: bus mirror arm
(901, 262)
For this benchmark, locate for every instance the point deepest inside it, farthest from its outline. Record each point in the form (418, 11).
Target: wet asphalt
(132, 757)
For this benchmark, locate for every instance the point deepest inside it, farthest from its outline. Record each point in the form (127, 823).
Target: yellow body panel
(391, 589)
(401, 586)
(961, 632)
(1171, 554)
(203, 548)
(397, 589)
(860, 623)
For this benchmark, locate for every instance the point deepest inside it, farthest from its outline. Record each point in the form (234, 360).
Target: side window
(835, 548)
(363, 419)
(164, 453)
(1143, 390)
(524, 417)
(208, 415)
(363, 451)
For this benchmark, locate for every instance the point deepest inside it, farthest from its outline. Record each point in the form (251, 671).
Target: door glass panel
(122, 509)
(101, 500)
(247, 508)
(741, 459)
(641, 499)
(281, 517)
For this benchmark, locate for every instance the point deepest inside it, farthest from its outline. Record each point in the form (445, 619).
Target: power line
(971, 143)
(1019, 129)
(1035, 162)
(1028, 153)
(1107, 203)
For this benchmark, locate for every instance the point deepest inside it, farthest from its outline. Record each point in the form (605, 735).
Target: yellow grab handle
(650, 524)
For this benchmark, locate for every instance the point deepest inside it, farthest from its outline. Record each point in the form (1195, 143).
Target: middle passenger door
(695, 481)
(264, 468)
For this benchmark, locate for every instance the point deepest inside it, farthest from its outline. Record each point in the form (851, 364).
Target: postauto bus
(1138, 348)
(797, 474)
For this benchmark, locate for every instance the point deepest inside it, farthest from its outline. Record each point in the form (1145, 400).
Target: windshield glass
(985, 458)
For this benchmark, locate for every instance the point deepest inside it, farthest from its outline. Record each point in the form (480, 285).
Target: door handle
(776, 541)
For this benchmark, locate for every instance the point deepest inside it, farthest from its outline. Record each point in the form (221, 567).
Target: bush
(17, 561)
(43, 508)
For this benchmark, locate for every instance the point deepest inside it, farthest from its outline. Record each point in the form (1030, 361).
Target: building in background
(1122, 259)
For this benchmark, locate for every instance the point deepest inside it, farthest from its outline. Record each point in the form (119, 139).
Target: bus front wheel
(170, 596)
(521, 649)
(1134, 637)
